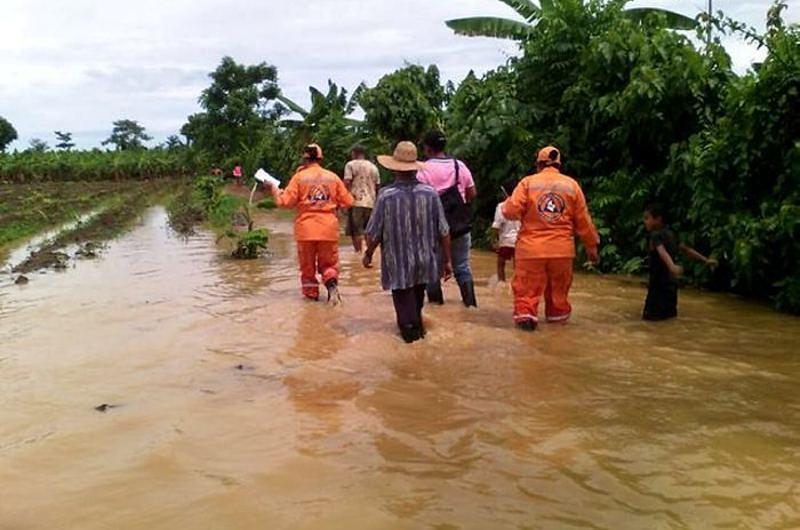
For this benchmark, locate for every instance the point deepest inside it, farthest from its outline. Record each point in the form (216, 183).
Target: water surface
(243, 407)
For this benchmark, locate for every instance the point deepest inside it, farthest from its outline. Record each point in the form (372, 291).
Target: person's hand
(367, 261)
(593, 255)
(447, 271)
(272, 190)
(676, 271)
(495, 244)
(712, 264)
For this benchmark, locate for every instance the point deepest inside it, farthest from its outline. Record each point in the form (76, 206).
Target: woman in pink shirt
(441, 173)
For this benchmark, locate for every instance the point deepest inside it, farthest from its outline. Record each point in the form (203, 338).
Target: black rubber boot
(410, 333)
(468, 294)
(527, 325)
(435, 294)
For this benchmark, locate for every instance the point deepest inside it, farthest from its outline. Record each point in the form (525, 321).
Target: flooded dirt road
(239, 406)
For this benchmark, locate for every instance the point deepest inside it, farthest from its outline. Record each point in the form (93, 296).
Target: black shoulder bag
(456, 210)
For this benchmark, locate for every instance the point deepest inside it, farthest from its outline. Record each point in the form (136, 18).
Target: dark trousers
(662, 301)
(408, 305)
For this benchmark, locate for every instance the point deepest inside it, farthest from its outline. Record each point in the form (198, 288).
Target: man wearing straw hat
(316, 194)
(409, 224)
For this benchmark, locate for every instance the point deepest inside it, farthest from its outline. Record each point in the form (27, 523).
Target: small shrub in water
(249, 244)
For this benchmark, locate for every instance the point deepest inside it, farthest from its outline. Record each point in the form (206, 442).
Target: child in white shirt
(504, 233)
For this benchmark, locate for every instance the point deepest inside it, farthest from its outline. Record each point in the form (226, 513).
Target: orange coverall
(552, 209)
(316, 193)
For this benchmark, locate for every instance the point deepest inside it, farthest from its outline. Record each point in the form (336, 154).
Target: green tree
(404, 104)
(64, 140)
(127, 135)
(532, 14)
(7, 134)
(236, 108)
(173, 142)
(327, 122)
(37, 145)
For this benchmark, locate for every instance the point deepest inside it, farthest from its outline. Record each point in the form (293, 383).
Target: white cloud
(81, 64)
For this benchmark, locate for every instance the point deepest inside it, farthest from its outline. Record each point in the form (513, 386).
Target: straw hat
(404, 158)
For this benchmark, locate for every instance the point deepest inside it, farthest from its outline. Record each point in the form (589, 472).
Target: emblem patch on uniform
(551, 207)
(318, 194)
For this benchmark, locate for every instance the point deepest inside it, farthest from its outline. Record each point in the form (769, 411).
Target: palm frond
(293, 106)
(501, 28)
(674, 20)
(526, 9)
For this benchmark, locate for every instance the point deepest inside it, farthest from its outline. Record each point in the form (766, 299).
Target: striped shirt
(409, 222)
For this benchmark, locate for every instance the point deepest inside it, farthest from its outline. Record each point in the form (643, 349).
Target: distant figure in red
(237, 173)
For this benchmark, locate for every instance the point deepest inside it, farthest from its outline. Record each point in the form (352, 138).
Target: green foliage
(504, 28)
(64, 141)
(99, 165)
(248, 245)
(404, 105)
(267, 204)
(7, 134)
(205, 201)
(327, 123)
(127, 135)
(236, 107)
(37, 145)
(641, 115)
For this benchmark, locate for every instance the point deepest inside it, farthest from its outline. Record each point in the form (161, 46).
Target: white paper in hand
(266, 178)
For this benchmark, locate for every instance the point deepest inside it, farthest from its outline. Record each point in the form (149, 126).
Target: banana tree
(532, 13)
(327, 122)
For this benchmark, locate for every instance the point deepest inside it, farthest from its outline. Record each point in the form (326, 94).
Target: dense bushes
(642, 115)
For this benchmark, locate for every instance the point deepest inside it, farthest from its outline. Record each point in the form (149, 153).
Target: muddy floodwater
(236, 405)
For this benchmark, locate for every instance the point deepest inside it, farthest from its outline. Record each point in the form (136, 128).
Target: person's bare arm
(495, 238)
(447, 272)
(675, 270)
(372, 244)
(695, 255)
(471, 194)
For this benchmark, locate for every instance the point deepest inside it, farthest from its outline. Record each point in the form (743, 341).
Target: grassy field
(28, 209)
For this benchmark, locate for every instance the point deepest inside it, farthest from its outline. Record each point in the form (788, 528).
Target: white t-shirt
(509, 230)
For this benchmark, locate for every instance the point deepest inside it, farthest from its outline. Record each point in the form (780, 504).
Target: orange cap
(549, 155)
(317, 148)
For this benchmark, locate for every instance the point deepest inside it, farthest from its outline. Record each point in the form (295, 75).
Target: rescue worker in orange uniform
(316, 194)
(552, 209)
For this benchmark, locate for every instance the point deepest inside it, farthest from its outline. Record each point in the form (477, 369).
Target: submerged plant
(249, 244)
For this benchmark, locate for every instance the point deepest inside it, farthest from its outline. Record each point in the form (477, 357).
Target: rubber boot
(468, 294)
(334, 298)
(435, 294)
(410, 333)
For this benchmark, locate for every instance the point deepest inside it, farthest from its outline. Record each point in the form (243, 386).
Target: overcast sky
(78, 65)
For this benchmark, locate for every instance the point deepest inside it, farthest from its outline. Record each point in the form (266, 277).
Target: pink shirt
(237, 171)
(440, 174)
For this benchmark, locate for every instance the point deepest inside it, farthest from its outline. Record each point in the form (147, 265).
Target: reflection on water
(242, 406)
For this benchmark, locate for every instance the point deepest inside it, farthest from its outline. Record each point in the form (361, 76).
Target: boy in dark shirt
(663, 244)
